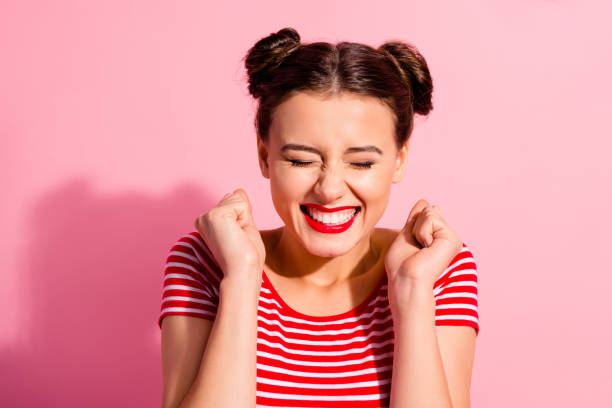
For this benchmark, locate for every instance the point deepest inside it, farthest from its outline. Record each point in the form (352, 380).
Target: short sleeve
(191, 280)
(456, 292)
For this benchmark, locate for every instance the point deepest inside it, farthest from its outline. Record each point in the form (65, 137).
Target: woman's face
(323, 154)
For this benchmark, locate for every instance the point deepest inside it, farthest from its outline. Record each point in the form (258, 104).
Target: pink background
(121, 121)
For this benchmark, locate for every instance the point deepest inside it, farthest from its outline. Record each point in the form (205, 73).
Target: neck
(289, 258)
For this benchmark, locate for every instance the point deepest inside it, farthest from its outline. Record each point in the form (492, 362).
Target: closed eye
(299, 163)
(364, 165)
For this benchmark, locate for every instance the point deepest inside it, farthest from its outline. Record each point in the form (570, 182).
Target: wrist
(404, 283)
(242, 279)
(402, 290)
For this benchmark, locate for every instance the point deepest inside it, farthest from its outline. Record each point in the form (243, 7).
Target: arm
(432, 366)
(457, 348)
(183, 339)
(214, 273)
(418, 377)
(227, 373)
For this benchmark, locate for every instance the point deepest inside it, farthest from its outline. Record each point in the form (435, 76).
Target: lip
(325, 209)
(329, 229)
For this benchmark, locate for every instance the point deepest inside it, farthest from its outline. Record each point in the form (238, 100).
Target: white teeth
(335, 218)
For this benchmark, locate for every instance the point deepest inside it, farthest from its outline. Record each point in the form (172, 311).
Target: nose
(331, 185)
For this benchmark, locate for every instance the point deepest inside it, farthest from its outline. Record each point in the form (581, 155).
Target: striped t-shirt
(339, 361)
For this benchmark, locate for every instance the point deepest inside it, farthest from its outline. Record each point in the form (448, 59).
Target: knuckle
(206, 217)
(227, 215)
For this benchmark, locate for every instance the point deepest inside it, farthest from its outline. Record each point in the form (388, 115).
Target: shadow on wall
(93, 269)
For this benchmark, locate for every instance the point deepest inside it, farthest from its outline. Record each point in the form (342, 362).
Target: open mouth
(330, 218)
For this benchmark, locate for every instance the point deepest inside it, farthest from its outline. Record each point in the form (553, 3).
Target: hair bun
(413, 68)
(267, 54)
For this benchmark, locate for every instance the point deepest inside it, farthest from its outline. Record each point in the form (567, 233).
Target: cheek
(372, 185)
(287, 184)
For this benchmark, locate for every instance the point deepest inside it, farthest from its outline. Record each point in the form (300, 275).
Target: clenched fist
(230, 232)
(424, 248)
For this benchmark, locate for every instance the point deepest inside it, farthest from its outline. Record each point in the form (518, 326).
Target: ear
(400, 163)
(262, 154)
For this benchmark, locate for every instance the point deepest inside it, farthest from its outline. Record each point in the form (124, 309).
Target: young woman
(327, 310)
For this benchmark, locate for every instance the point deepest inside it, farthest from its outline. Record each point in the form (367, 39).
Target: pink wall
(121, 121)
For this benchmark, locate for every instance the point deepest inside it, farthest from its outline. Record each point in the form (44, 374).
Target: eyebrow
(355, 149)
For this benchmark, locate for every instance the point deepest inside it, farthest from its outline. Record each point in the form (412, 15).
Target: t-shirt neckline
(350, 313)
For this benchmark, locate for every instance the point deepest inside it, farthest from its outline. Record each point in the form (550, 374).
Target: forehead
(341, 119)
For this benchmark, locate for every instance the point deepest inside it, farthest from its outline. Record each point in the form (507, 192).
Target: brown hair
(279, 65)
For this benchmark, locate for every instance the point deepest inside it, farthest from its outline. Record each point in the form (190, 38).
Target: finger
(416, 209)
(248, 222)
(236, 204)
(437, 210)
(423, 228)
(223, 200)
(406, 232)
(242, 193)
(437, 213)
(246, 218)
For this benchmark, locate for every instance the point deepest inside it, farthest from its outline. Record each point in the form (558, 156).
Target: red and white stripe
(338, 361)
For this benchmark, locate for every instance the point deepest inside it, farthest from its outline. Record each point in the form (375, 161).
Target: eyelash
(298, 163)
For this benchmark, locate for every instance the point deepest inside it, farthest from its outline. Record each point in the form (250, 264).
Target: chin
(329, 250)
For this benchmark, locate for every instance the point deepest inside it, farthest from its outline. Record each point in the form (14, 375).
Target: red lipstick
(328, 229)
(320, 207)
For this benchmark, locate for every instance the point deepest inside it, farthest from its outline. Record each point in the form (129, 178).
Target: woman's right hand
(229, 231)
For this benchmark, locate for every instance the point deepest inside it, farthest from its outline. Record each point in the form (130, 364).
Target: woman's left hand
(423, 249)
